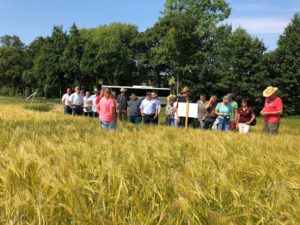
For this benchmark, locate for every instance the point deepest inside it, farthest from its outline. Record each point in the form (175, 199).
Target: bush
(39, 107)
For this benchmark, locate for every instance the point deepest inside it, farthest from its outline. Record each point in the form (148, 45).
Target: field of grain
(57, 169)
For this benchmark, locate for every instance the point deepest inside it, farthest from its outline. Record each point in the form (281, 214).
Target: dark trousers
(77, 110)
(209, 122)
(89, 114)
(271, 128)
(123, 114)
(67, 110)
(135, 119)
(191, 122)
(149, 119)
(95, 114)
(155, 120)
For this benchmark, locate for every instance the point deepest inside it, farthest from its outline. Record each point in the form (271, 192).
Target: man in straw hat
(272, 110)
(186, 98)
(122, 100)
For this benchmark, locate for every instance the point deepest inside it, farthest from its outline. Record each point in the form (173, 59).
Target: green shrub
(39, 107)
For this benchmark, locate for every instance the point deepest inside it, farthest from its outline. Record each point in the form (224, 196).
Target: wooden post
(187, 114)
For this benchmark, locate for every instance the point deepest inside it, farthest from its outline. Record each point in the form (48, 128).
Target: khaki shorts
(271, 128)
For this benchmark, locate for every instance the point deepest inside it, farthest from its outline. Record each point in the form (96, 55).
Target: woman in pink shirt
(272, 110)
(107, 109)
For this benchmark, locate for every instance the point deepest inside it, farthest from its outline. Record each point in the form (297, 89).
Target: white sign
(193, 110)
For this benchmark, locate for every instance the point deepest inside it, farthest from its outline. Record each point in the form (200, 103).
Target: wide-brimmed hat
(185, 89)
(269, 91)
(171, 97)
(153, 94)
(123, 89)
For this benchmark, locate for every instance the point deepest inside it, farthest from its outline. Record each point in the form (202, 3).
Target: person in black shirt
(186, 98)
(122, 100)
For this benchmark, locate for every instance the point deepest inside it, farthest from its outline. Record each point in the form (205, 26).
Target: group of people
(223, 116)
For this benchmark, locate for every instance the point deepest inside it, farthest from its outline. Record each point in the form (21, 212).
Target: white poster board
(193, 110)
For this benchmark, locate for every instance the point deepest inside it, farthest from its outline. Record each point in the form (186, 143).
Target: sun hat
(269, 91)
(153, 94)
(185, 89)
(123, 89)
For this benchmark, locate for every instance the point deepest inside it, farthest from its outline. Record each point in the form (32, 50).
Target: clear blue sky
(29, 19)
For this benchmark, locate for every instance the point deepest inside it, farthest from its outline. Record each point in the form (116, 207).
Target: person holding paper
(186, 98)
(223, 111)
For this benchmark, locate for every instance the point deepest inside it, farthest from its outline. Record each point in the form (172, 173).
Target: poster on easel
(192, 110)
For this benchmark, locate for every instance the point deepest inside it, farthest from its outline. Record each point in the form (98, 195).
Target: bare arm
(271, 113)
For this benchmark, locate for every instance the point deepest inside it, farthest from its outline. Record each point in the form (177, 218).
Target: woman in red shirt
(245, 116)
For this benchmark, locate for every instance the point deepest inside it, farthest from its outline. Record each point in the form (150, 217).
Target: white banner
(193, 110)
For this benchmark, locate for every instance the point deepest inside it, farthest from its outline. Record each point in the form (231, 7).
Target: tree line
(188, 45)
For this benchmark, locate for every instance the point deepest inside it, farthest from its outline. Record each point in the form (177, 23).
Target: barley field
(57, 169)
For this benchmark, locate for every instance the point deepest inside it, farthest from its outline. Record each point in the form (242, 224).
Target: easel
(187, 113)
(32, 95)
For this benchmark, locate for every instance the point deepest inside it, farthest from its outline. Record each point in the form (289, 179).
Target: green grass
(38, 107)
(57, 169)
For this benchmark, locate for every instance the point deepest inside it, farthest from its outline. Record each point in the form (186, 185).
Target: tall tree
(112, 47)
(287, 56)
(192, 22)
(71, 59)
(12, 64)
(48, 68)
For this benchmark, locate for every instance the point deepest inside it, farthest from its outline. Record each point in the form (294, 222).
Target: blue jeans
(172, 122)
(135, 119)
(209, 122)
(108, 124)
(223, 124)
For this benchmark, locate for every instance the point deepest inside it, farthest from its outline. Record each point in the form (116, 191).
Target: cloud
(263, 25)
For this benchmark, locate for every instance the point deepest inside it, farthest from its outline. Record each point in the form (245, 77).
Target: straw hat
(153, 94)
(171, 97)
(123, 89)
(269, 91)
(185, 89)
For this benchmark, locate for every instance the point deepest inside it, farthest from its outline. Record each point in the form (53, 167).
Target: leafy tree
(12, 41)
(48, 67)
(112, 47)
(71, 59)
(286, 66)
(11, 64)
(192, 22)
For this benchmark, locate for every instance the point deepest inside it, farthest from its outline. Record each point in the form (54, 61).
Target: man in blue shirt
(149, 109)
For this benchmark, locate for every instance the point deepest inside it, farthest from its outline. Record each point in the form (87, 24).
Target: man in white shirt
(94, 98)
(87, 105)
(65, 102)
(158, 106)
(76, 102)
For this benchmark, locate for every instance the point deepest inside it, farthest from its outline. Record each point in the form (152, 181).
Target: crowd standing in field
(222, 116)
